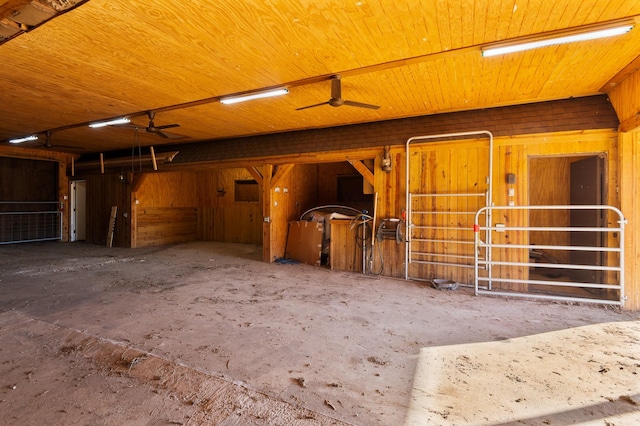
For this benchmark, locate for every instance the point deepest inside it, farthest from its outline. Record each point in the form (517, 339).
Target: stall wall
(461, 166)
(625, 98)
(220, 217)
(103, 192)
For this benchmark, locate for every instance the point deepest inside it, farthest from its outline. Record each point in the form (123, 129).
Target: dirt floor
(206, 333)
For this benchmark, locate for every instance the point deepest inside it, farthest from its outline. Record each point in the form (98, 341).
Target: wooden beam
(630, 124)
(153, 158)
(63, 197)
(281, 171)
(267, 213)
(627, 71)
(255, 173)
(8, 7)
(134, 220)
(160, 158)
(257, 162)
(363, 170)
(629, 160)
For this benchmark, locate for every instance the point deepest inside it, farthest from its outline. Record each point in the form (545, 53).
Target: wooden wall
(294, 194)
(220, 217)
(201, 205)
(462, 166)
(28, 180)
(36, 175)
(625, 98)
(165, 209)
(629, 186)
(103, 192)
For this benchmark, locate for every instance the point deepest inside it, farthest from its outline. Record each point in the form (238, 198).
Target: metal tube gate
(510, 266)
(22, 222)
(439, 227)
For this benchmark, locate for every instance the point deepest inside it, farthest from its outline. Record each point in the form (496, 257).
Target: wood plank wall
(441, 167)
(625, 98)
(630, 188)
(103, 192)
(174, 199)
(201, 205)
(220, 217)
(39, 181)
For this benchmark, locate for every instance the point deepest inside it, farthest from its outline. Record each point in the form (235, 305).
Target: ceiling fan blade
(166, 135)
(173, 135)
(167, 126)
(155, 131)
(360, 105)
(313, 106)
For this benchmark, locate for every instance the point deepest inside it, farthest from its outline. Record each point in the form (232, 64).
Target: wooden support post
(63, 197)
(267, 212)
(629, 160)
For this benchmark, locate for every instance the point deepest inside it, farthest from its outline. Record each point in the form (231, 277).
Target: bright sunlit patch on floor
(585, 375)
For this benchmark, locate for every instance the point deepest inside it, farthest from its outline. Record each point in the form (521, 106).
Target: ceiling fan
(158, 130)
(336, 97)
(47, 142)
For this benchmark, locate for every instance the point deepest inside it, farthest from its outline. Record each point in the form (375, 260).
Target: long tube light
(25, 139)
(117, 121)
(257, 95)
(588, 32)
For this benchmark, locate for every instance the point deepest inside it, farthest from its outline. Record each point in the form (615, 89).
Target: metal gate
(546, 271)
(22, 221)
(439, 227)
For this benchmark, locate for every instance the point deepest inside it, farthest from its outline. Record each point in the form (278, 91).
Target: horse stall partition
(30, 221)
(442, 198)
(590, 269)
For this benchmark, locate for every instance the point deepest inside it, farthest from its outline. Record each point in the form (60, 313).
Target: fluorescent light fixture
(257, 95)
(25, 139)
(117, 121)
(589, 32)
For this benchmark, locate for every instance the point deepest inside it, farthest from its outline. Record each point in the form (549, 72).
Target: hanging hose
(352, 211)
(364, 234)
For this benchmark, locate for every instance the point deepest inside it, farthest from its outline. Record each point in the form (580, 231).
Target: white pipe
(407, 252)
(540, 296)
(557, 283)
(488, 245)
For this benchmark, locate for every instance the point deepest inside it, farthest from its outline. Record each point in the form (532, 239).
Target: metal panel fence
(441, 239)
(551, 271)
(23, 221)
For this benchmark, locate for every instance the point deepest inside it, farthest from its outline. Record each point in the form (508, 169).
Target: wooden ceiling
(112, 58)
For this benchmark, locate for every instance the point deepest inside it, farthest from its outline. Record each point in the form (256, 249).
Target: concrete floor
(206, 333)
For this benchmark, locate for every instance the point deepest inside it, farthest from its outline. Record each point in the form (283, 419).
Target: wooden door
(586, 188)
(78, 210)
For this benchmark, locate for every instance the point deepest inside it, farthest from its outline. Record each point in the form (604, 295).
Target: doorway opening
(568, 180)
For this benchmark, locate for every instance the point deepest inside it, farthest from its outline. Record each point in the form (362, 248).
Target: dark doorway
(564, 180)
(586, 188)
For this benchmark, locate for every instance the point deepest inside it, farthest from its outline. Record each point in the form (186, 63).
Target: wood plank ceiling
(111, 58)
